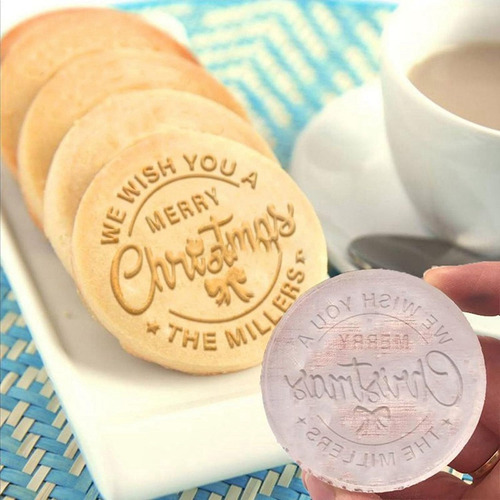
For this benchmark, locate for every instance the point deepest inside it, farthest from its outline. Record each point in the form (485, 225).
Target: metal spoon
(409, 254)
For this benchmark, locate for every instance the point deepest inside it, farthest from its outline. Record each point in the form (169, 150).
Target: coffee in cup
(449, 164)
(465, 80)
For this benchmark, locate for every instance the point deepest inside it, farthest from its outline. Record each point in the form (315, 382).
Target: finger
(486, 438)
(491, 410)
(318, 490)
(438, 487)
(474, 288)
(480, 447)
(488, 488)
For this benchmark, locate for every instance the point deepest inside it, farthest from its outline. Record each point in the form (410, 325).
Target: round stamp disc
(373, 381)
(189, 248)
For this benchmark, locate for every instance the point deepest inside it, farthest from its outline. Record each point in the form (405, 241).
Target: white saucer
(342, 162)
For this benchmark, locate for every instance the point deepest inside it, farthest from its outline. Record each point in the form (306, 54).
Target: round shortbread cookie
(13, 34)
(189, 248)
(83, 83)
(115, 124)
(42, 45)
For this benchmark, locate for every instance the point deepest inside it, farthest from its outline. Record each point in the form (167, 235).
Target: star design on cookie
(152, 327)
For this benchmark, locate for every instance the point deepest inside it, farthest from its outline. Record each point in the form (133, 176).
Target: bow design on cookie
(220, 288)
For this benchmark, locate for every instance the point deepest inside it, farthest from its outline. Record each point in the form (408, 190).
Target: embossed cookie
(189, 248)
(115, 124)
(83, 83)
(40, 46)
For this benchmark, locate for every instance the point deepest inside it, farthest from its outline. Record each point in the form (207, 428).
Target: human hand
(474, 288)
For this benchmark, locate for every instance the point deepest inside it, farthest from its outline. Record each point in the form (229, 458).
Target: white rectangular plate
(143, 430)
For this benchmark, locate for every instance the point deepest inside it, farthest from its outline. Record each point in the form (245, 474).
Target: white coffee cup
(449, 166)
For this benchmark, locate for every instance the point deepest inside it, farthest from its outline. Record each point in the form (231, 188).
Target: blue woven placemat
(284, 59)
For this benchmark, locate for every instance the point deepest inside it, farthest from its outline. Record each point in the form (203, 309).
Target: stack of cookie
(185, 238)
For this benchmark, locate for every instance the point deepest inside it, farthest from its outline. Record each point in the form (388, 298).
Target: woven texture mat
(284, 59)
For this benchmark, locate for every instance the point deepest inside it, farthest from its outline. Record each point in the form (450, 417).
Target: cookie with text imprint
(83, 83)
(189, 248)
(116, 123)
(37, 48)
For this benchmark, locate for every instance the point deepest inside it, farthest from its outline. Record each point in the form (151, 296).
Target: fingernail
(434, 268)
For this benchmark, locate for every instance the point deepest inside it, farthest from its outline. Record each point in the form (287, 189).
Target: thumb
(319, 490)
